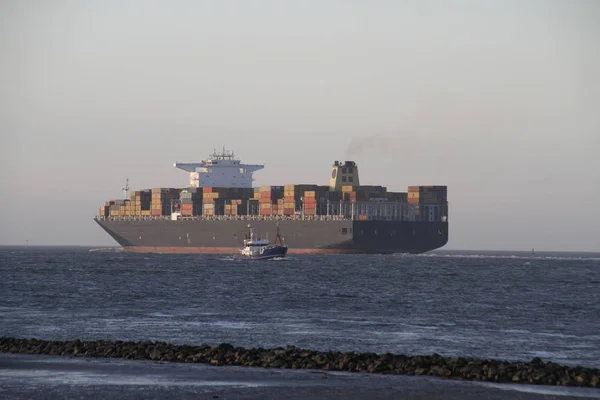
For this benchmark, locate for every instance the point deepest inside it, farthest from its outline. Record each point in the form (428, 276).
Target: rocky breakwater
(535, 371)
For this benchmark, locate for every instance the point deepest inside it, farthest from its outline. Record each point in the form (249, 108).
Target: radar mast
(126, 188)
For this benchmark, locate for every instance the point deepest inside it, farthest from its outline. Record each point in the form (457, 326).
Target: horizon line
(432, 251)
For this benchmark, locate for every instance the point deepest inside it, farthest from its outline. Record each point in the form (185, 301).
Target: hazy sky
(499, 100)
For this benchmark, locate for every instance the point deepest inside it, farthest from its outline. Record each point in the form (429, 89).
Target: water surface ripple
(493, 305)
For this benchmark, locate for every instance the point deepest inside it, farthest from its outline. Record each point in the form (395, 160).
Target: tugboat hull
(270, 252)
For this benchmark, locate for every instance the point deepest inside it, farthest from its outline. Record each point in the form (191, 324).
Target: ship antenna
(278, 236)
(126, 188)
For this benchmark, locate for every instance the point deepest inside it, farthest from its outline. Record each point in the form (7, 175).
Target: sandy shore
(49, 377)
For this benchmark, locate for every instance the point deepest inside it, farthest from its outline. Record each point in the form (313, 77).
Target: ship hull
(301, 236)
(268, 252)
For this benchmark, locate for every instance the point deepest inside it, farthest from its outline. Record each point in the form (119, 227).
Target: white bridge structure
(220, 170)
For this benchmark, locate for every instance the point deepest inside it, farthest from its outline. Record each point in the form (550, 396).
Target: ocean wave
(106, 249)
(509, 257)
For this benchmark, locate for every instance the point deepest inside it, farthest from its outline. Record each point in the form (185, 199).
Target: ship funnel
(343, 173)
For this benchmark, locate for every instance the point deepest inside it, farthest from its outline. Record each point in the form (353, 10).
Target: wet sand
(50, 377)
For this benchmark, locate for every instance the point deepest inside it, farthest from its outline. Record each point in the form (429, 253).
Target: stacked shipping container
(285, 200)
(427, 195)
(236, 207)
(219, 201)
(420, 196)
(162, 200)
(268, 197)
(191, 202)
(293, 198)
(310, 202)
(208, 201)
(137, 205)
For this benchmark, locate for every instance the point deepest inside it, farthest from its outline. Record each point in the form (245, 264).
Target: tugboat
(260, 249)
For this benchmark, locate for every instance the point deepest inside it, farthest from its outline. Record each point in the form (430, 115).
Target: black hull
(301, 237)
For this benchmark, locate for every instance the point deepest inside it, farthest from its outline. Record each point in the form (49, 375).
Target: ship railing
(355, 211)
(222, 218)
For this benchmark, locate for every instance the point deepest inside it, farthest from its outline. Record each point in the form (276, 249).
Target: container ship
(212, 214)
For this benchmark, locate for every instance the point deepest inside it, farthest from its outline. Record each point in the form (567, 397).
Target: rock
(278, 364)
(319, 359)
(108, 351)
(535, 371)
(224, 347)
(379, 367)
(155, 354)
(536, 361)
(168, 356)
(140, 353)
(440, 371)
(310, 365)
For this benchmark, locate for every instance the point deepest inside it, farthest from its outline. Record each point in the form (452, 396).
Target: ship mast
(278, 236)
(126, 188)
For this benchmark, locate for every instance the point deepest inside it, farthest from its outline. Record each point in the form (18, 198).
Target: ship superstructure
(220, 170)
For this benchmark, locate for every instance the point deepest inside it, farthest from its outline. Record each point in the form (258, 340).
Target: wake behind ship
(212, 213)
